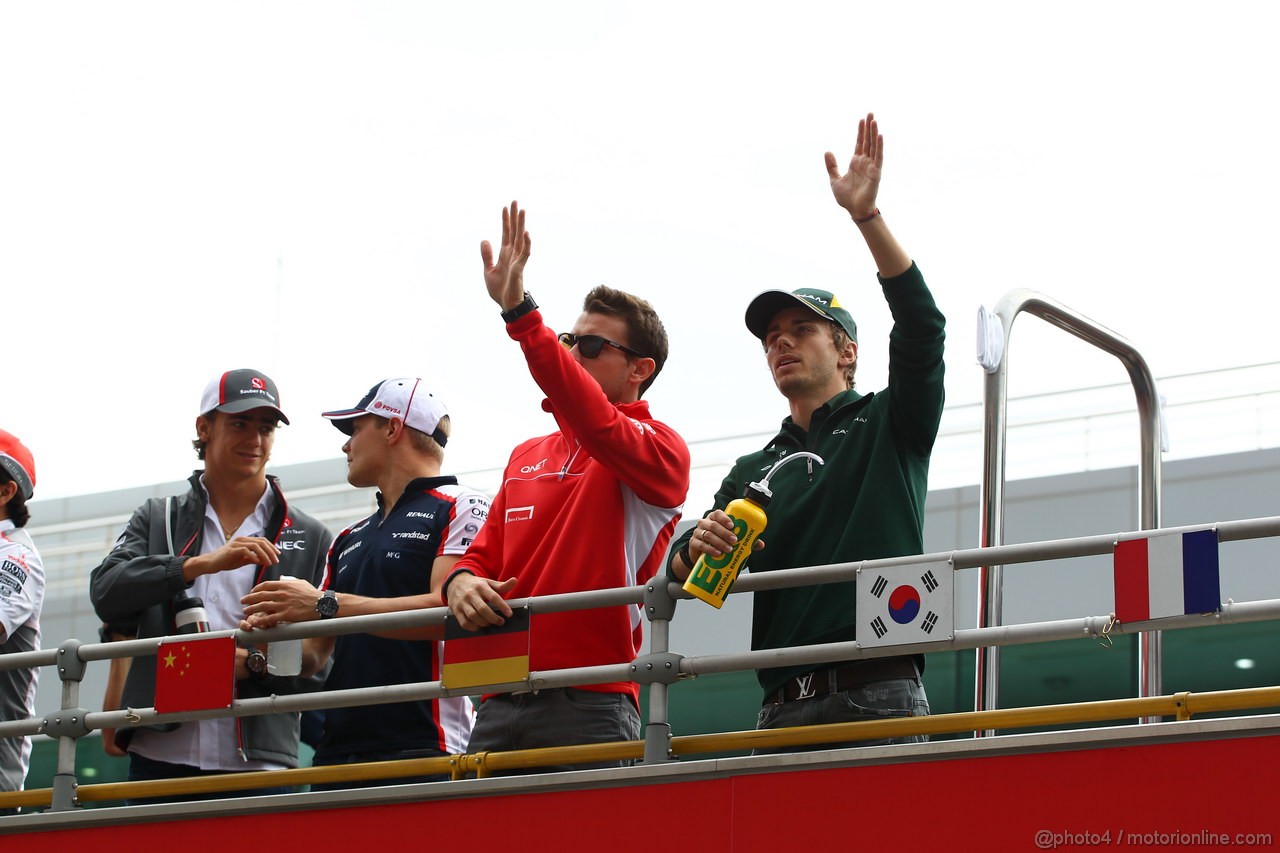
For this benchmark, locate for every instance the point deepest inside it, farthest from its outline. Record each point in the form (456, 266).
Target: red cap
(16, 459)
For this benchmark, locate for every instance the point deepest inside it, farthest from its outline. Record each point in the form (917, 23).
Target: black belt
(838, 679)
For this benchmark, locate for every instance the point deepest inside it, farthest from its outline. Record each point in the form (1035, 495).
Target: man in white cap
(396, 559)
(231, 530)
(21, 595)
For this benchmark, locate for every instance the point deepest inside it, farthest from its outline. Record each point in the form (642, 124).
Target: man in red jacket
(592, 506)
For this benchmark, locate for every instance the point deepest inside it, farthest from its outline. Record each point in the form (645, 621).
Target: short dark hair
(199, 443)
(646, 332)
(16, 509)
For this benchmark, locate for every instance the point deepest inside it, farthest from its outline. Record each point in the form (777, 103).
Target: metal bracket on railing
(68, 722)
(70, 667)
(660, 667)
(658, 603)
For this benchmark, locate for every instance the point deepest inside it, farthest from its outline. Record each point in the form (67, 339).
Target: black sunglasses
(590, 345)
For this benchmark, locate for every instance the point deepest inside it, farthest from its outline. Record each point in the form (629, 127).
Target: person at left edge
(21, 595)
(396, 559)
(231, 529)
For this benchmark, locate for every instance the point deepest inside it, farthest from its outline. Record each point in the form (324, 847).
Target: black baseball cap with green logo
(765, 307)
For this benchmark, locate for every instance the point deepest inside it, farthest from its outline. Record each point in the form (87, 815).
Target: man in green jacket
(867, 500)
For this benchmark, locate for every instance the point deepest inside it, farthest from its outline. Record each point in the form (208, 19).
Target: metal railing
(660, 668)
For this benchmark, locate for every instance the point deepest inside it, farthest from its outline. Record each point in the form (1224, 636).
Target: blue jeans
(876, 700)
(385, 755)
(557, 717)
(143, 769)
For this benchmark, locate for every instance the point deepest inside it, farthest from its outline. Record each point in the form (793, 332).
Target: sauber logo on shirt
(520, 513)
(288, 522)
(532, 469)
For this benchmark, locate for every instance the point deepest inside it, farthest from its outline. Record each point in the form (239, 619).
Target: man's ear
(849, 354)
(395, 430)
(641, 370)
(7, 493)
(204, 428)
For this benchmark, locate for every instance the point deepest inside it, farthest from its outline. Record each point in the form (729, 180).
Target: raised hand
(857, 188)
(505, 279)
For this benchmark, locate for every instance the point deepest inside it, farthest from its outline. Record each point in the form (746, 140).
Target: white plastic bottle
(285, 656)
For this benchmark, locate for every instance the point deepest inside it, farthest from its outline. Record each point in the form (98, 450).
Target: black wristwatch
(327, 604)
(256, 663)
(520, 310)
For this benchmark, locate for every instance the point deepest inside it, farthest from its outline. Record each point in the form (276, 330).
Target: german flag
(192, 675)
(496, 655)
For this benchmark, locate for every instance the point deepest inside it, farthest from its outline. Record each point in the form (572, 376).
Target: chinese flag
(193, 675)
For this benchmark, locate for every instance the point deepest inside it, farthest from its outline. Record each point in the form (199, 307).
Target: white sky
(302, 187)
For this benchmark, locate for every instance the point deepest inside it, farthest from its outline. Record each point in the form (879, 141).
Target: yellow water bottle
(712, 578)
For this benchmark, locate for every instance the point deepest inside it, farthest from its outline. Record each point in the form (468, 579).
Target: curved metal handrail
(995, 398)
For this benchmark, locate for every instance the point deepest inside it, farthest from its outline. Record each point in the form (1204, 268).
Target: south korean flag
(905, 604)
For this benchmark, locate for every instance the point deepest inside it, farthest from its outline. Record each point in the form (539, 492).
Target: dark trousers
(877, 700)
(558, 717)
(385, 755)
(143, 769)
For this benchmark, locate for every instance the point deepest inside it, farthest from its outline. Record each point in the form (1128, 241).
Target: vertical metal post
(67, 726)
(659, 607)
(991, 497)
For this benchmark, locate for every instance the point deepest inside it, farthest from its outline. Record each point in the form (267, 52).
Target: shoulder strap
(168, 524)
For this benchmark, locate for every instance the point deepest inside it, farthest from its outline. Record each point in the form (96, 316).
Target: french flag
(1167, 574)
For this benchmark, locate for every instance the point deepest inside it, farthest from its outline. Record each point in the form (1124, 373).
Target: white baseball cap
(405, 399)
